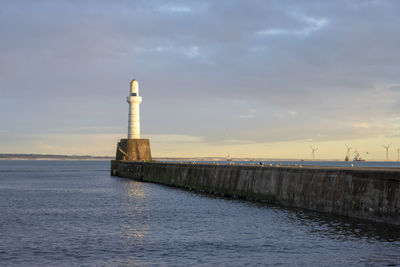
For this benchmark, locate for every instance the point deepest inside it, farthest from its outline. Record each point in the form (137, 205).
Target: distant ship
(228, 158)
(357, 157)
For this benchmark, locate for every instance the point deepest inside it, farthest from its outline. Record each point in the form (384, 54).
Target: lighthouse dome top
(134, 87)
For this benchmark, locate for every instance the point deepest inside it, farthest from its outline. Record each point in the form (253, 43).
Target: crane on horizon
(347, 158)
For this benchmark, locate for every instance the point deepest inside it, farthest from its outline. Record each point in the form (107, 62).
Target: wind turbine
(387, 151)
(313, 152)
(398, 154)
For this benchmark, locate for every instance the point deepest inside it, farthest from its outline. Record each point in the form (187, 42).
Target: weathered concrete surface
(367, 193)
(133, 149)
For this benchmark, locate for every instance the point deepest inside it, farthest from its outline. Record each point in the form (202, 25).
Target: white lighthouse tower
(134, 101)
(134, 147)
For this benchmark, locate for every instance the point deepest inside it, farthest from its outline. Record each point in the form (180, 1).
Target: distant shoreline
(51, 157)
(11, 156)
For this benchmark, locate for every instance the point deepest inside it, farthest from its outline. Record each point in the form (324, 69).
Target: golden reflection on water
(136, 227)
(135, 232)
(135, 190)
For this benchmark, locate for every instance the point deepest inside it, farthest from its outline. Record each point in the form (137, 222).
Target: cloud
(175, 9)
(313, 25)
(395, 88)
(190, 51)
(276, 71)
(248, 115)
(175, 138)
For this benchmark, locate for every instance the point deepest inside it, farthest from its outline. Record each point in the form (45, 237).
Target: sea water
(73, 213)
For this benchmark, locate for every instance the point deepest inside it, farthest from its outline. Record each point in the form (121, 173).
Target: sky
(258, 79)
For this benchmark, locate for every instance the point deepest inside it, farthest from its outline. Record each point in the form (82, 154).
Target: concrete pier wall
(133, 149)
(367, 193)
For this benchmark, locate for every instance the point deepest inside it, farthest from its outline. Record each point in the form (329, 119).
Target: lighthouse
(134, 101)
(134, 147)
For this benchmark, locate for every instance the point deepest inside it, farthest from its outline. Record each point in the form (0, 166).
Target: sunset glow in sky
(245, 78)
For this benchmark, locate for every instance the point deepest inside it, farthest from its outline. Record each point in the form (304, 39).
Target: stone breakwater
(366, 193)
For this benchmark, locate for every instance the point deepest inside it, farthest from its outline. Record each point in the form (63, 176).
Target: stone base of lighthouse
(133, 149)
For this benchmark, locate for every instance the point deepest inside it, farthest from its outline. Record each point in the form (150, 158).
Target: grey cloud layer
(249, 70)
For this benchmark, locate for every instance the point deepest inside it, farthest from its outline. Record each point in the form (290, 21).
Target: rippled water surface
(69, 213)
